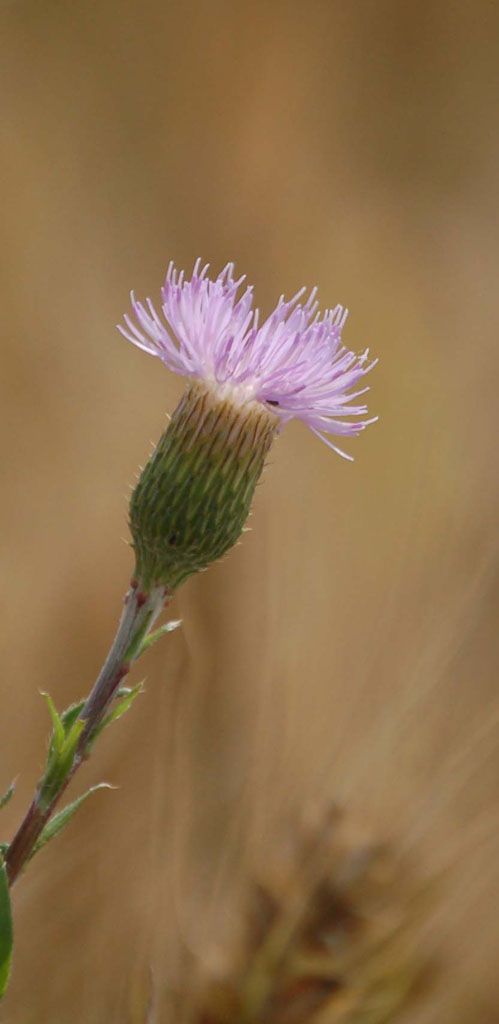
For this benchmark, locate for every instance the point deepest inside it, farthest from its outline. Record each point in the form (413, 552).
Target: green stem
(139, 615)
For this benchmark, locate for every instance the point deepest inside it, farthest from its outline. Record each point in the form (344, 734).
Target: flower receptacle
(194, 495)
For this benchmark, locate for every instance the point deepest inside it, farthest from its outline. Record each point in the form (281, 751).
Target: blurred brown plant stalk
(331, 933)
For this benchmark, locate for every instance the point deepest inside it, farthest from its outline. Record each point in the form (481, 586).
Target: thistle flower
(294, 363)
(246, 381)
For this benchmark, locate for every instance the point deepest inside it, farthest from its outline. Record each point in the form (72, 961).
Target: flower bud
(194, 495)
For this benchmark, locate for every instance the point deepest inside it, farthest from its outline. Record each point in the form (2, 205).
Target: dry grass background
(346, 648)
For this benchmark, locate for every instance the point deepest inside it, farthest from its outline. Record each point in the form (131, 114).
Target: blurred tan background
(347, 648)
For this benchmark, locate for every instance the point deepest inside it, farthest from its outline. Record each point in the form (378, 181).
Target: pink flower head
(294, 362)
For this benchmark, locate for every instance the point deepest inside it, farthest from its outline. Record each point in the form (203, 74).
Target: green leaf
(62, 750)
(127, 701)
(70, 744)
(142, 641)
(7, 795)
(58, 727)
(70, 715)
(168, 627)
(56, 824)
(6, 931)
(128, 697)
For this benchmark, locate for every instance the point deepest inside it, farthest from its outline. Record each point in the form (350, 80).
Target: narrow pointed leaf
(168, 627)
(71, 714)
(71, 741)
(60, 759)
(58, 736)
(6, 931)
(7, 795)
(56, 824)
(124, 704)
